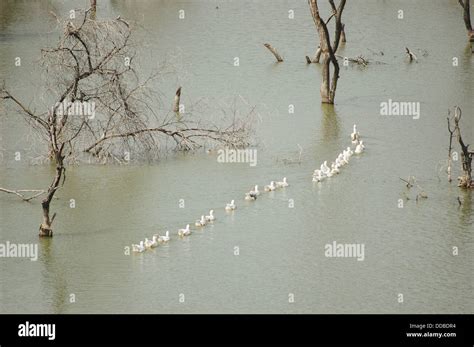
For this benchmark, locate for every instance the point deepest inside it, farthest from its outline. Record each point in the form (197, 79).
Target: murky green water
(407, 250)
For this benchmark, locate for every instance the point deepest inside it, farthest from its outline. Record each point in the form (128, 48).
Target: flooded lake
(269, 251)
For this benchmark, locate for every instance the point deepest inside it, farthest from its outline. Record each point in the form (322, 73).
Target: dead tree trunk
(467, 18)
(328, 86)
(45, 228)
(465, 181)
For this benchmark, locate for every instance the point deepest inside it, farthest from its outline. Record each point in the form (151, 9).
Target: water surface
(407, 250)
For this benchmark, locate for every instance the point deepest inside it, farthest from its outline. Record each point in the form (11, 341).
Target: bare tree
(327, 51)
(102, 108)
(465, 181)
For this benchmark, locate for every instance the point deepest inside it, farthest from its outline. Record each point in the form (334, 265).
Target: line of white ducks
(341, 160)
(204, 220)
(254, 193)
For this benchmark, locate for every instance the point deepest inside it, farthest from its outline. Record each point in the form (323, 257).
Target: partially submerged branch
(343, 33)
(359, 60)
(177, 99)
(451, 135)
(411, 55)
(410, 183)
(21, 195)
(274, 52)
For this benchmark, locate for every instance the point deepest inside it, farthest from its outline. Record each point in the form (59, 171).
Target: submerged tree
(326, 50)
(465, 180)
(101, 108)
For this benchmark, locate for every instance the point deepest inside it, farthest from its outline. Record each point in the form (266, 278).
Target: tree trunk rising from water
(465, 181)
(327, 51)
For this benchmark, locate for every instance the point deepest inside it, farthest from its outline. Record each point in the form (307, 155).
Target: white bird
(202, 222)
(359, 148)
(270, 187)
(147, 243)
(318, 176)
(164, 238)
(342, 159)
(231, 206)
(282, 184)
(324, 168)
(347, 155)
(138, 248)
(355, 135)
(184, 232)
(349, 150)
(250, 196)
(211, 216)
(334, 168)
(151, 243)
(255, 191)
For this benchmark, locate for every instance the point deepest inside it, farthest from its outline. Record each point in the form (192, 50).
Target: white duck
(359, 148)
(346, 156)
(202, 222)
(255, 191)
(250, 196)
(342, 158)
(164, 238)
(138, 248)
(231, 206)
(184, 232)
(211, 216)
(270, 187)
(355, 135)
(282, 184)
(324, 168)
(334, 168)
(151, 243)
(318, 176)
